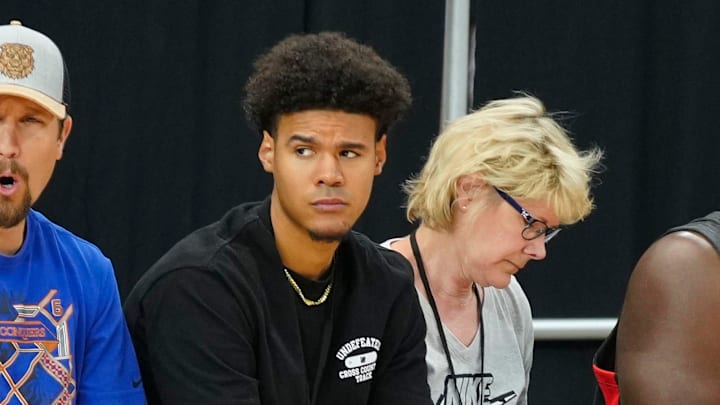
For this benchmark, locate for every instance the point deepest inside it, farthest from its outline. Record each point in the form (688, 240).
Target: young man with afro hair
(280, 302)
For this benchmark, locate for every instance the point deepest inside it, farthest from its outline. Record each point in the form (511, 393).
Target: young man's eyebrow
(353, 145)
(297, 138)
(302, 139)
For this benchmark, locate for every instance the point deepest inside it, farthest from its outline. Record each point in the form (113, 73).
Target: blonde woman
(497, 186)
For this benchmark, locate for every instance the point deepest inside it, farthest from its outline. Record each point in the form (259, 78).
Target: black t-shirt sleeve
(195, 342)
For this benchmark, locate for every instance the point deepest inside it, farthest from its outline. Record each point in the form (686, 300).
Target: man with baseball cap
(63, 338)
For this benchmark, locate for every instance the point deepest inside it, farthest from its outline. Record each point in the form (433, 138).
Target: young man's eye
(303, 151)
(350, 154)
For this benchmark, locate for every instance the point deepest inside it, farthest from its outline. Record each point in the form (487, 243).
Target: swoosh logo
(136, 383)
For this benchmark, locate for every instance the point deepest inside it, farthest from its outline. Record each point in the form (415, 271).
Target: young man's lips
(329, 204)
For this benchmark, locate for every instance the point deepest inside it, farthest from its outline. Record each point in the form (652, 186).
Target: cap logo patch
(16, 60)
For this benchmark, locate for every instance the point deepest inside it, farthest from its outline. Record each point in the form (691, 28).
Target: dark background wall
(160, 147)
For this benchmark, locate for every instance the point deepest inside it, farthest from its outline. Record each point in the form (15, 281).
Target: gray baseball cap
(32, 67)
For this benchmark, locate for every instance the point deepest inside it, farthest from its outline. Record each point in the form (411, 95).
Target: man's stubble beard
(13, 214)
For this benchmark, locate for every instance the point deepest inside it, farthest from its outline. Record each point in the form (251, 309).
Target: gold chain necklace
(299, 292)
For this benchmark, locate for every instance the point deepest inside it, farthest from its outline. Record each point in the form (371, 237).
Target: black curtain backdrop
(160, 146)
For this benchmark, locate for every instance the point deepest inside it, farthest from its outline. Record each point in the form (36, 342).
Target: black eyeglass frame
(530, 231)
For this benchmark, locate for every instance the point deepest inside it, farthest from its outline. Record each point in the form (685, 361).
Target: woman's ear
(469, 185)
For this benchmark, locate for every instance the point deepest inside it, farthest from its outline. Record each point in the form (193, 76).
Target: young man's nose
(329, 171)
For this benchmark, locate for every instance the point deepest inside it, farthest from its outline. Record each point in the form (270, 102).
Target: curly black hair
(325, 71)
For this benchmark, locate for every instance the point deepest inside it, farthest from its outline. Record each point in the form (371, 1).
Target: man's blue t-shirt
(63, 336)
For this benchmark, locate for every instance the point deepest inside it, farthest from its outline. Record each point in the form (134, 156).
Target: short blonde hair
(514, 145)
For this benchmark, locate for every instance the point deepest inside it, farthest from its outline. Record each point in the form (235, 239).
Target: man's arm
(668, 348)
(404, 381)
(194, 343)
(109, 371)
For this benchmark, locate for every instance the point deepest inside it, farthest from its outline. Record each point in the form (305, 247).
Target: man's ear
(266, 152)
(380, 154)
(63, 136)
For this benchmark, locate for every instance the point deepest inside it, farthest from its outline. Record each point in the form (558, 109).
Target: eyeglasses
(534, 227)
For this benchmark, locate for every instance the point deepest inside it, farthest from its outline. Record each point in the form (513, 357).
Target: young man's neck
(300, 253)
(310, 260)
(11, 239)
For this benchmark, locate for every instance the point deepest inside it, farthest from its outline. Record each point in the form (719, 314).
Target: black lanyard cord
(431, 300)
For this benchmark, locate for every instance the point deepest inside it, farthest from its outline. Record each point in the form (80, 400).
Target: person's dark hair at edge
(325, 71)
